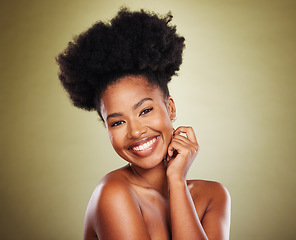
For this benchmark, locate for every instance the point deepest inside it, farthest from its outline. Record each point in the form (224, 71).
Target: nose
(135, 129)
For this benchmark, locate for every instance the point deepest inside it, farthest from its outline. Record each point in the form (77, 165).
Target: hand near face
(181, 153)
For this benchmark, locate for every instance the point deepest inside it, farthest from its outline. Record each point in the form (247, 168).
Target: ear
(171, 108)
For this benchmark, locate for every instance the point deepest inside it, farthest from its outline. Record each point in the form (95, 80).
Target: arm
(184, 218)
(117, 214)
(216, 221)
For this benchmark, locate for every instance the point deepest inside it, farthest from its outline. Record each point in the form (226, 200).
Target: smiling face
(138, 120)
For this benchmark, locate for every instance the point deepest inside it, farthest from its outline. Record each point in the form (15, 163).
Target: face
(139, 120)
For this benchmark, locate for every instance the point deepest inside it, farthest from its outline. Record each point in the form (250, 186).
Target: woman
(121, 69)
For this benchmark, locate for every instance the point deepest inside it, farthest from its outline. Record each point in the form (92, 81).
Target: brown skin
(150, 197)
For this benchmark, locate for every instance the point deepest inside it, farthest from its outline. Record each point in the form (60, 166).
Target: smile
(145, 146)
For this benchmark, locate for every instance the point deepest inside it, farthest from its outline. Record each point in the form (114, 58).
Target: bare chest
(156, 214)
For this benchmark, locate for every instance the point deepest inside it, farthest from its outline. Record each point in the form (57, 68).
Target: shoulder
(113, 203)
(112, 188)
(214, 199)
(211, 190)
(115, 190)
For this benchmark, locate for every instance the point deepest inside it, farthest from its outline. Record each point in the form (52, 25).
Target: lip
(146, 152)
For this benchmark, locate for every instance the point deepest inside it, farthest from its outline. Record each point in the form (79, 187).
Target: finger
(186, 141)
(188, 131)
(180, 147)
(191, 139)
(172, 149)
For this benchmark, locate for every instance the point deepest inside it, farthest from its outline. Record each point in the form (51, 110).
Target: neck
(154, 178)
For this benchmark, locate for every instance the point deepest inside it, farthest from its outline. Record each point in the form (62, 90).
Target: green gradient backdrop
(236, 88)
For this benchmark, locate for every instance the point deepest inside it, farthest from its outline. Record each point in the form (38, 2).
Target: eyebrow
(141, 102)
(138, 104)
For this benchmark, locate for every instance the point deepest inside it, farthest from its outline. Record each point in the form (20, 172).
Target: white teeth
(145, 146)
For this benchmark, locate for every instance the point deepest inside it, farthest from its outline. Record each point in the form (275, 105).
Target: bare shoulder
(208, 190)
(113, 202)
(213, 205)
(113, 185)
(112, 188)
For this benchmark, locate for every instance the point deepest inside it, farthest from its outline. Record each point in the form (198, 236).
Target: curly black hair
(132, 43)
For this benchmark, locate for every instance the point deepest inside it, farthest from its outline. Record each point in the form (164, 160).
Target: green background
(236, 88)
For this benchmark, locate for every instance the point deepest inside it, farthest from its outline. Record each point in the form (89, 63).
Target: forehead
(126, 92)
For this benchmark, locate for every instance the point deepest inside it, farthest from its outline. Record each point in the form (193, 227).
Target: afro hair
(132, 43)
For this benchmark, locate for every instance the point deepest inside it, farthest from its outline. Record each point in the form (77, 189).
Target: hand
(181, 153)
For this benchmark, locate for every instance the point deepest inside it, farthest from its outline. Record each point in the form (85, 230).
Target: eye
(145, 111)
(117, 123)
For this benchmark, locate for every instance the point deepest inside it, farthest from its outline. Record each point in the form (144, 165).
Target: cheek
(164, 124)
(117, 144)
(115, 140)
